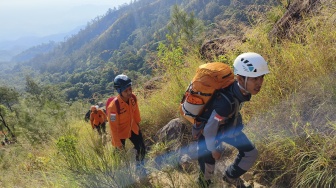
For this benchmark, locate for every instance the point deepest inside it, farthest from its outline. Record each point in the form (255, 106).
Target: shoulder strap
(116, 102)
(209, 104)
(236, 111)
(223, 95)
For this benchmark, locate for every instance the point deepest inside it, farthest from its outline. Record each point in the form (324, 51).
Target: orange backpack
(209, 78)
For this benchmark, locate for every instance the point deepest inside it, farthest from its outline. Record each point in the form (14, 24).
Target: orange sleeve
(113, 119)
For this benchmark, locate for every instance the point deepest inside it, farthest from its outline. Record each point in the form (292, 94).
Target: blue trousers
(247, 155)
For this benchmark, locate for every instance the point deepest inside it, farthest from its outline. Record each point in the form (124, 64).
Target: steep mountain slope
(126, 39)
(141, 23)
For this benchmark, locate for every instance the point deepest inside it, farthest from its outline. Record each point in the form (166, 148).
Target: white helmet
(250, 64)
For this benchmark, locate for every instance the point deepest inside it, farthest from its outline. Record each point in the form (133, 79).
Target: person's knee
(248, 160)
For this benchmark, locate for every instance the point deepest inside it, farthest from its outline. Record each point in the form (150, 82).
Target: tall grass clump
(94, 164)
(175, 69)
(295, 62)
(292, 119)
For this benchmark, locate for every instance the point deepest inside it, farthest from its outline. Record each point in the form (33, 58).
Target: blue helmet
(122, 82)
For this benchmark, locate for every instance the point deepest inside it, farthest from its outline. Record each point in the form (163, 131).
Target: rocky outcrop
(284, 28)
(180, 150)
(213, 48)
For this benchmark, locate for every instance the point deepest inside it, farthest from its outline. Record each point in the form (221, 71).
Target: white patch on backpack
(113, 117)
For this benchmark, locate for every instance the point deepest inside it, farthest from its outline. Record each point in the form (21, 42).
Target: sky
(20, 18)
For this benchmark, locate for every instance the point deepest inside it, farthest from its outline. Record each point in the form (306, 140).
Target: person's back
(98, 117)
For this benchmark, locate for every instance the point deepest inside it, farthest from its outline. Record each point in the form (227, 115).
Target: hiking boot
(238, 182)
(204, 183)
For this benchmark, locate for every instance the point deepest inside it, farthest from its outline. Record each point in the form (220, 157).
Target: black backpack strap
(223, 95)
(236, 111)
(116, 101)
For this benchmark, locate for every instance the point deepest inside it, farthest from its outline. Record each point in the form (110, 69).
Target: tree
(33, 89)
(183, 27)
(8, 97)
(3, 113)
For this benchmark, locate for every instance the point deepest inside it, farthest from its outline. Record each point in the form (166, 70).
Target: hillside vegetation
(292, 120)
(123, 40)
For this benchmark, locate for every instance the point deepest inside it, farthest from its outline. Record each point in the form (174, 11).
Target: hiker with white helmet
(124, 119)
(224, 122)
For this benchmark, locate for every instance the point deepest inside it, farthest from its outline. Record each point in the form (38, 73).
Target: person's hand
(216, 155)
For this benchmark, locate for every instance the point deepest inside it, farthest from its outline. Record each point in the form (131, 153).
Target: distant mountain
(126, 40)
(124, 36)
(9, 49)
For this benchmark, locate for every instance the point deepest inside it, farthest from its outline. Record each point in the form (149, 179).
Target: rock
(176, 132)
(284, 28)
(213, 48)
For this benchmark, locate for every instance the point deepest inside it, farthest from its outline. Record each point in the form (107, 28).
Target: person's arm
(222, 108)
(113, 119)
(210, 131)
(103, 116)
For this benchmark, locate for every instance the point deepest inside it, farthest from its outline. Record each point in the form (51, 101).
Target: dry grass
(292, 122)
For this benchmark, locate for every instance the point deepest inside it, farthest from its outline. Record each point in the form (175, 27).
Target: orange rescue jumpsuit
(97, 118)
(123, 124)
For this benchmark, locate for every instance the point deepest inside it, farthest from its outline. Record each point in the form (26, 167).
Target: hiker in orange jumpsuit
(124, 118)
(98, 119)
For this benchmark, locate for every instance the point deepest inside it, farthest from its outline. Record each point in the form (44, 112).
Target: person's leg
(99, 129)
(206, 163)
(246, 157)
(103, 130)
(139, 146)
(103, 127)
(123, 142)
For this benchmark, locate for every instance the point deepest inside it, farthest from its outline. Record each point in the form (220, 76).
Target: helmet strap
(243, 88)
